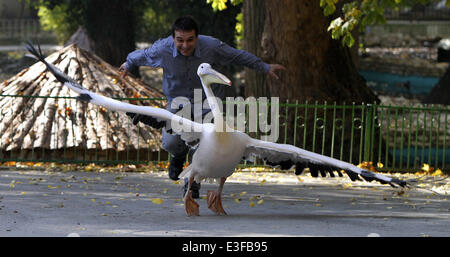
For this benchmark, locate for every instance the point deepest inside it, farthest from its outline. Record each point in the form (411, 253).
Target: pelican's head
(209, 76)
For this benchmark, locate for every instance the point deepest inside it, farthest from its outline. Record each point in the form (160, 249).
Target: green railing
(398, 137)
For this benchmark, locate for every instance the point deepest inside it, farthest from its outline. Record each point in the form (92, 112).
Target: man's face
(185, 41)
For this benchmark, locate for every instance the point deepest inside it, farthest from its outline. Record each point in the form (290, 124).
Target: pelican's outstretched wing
(185, 127)
(287, 156)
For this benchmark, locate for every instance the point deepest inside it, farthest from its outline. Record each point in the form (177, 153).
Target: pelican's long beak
(214, 76)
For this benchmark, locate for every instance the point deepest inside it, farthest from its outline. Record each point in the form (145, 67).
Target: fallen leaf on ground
(157, 200)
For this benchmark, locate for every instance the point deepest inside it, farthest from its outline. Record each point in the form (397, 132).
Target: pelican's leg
(190, 205)
(214, 199)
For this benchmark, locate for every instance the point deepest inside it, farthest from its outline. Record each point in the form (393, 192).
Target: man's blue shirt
(180, 72)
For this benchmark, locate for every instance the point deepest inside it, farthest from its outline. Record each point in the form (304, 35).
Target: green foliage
(220, 5)
(57, 18)
(217, 5)
(155, 23)
(239, 29)
(329, 6)
(359, 14)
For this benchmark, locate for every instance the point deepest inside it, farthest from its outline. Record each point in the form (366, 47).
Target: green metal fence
(398, 137)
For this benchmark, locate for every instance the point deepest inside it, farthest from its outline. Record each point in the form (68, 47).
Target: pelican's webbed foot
(191, 205)
(214, 201)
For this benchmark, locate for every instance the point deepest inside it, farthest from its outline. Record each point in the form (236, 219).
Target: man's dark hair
(185, 23)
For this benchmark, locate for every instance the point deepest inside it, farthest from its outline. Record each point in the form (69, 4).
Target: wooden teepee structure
(39, 120)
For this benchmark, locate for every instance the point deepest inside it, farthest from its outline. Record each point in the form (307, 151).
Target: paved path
(43, 203)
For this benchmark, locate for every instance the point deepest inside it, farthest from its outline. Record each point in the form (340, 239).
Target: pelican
(221, 148)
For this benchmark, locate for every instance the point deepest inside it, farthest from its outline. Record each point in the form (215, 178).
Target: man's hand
(123, 69)
(274, 68)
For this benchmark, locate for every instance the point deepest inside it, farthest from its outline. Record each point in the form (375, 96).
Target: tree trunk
(111, 25)
(254, 16)
(441, 92)
(318, 67)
